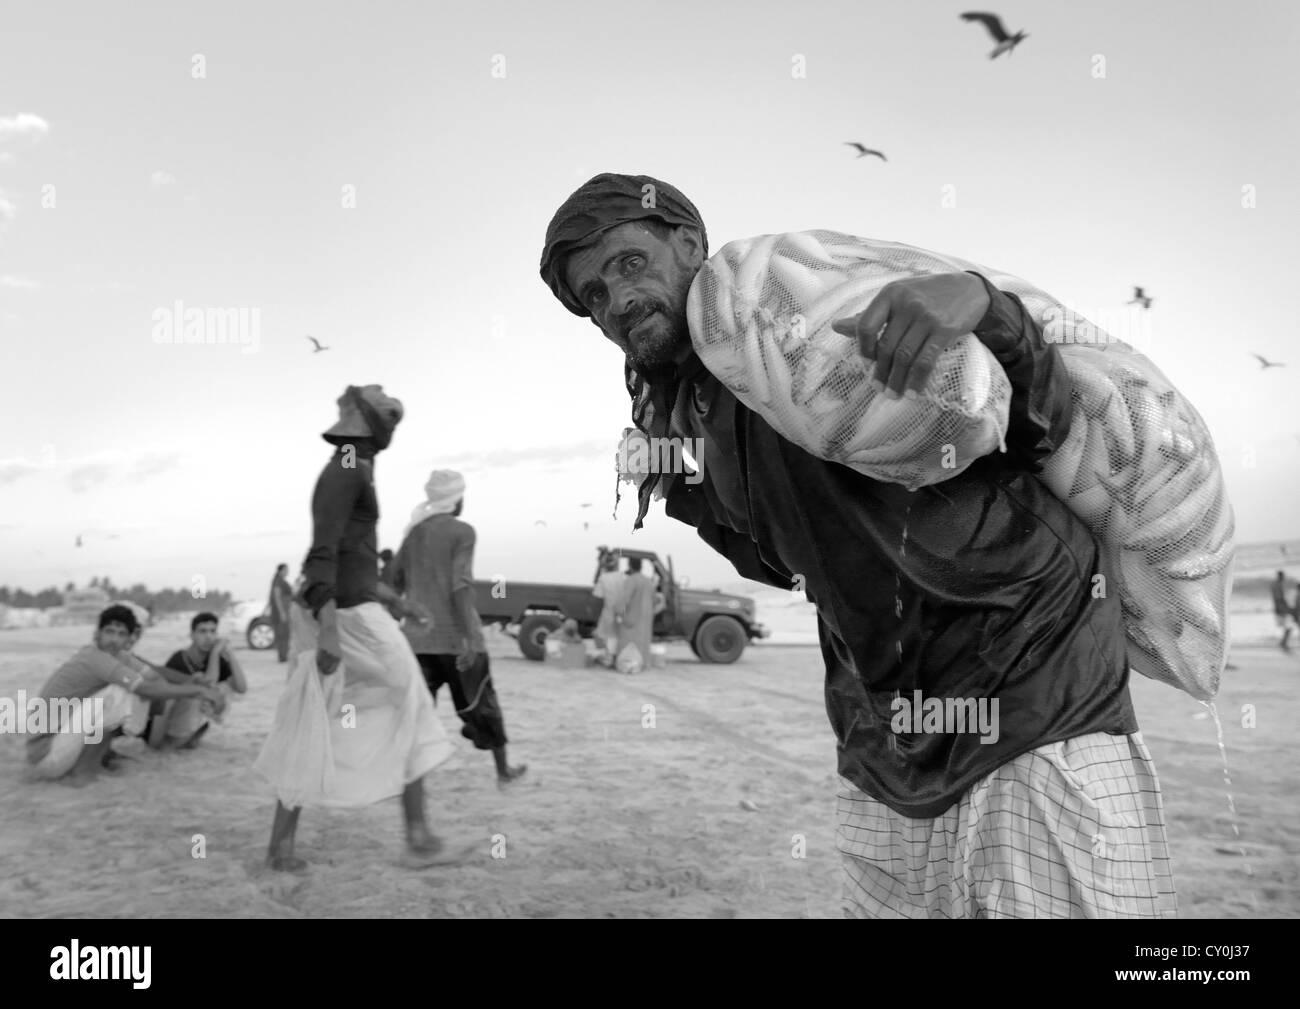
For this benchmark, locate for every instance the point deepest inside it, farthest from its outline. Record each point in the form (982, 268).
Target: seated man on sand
(208, 661)
(568, 632)
(112, 696)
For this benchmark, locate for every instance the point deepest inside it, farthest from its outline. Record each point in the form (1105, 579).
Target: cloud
(88, 475)
(153, 463)
(21, 283)
(23, 127)
(161, 178)
(89, 471)
(117, 532)
(16, 469)
(549, 454)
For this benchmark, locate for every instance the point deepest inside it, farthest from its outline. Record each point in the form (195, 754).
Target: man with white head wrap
(434, 569)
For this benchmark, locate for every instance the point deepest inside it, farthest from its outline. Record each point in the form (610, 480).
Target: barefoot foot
(512, 775)
(193, 741)
(285, 863)
(436, 853)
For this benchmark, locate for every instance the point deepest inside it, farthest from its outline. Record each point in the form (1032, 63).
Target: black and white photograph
(576, 460)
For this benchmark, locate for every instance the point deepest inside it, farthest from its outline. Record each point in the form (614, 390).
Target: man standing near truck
(609, 586)
(433, 568)
(1060, 816)
(635, 614)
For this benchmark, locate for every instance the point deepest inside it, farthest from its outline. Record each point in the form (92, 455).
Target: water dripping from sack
(898, 612)
(1227, 783)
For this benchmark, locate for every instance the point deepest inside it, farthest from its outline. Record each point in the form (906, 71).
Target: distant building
(19, 617)
(83, 606)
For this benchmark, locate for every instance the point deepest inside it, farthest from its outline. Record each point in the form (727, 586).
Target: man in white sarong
(384, 734)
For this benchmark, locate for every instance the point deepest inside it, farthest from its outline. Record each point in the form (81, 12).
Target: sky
(380, 176)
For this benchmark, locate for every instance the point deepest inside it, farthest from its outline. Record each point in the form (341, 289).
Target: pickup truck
(717, 626)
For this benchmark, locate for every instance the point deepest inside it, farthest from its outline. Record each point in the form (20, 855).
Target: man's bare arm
(153, 690)
(238, 683)
(166, 672)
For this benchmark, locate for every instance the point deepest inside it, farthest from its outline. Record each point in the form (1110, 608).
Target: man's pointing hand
(911, 322)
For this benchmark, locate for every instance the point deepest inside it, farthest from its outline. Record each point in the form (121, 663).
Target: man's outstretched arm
(1039, 418)
(910, 323)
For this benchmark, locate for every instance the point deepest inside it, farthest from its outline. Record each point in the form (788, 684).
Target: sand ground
(615, 818)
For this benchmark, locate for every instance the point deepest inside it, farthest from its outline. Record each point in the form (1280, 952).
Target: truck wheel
(720, 640)
(261, 634)
(532, 634)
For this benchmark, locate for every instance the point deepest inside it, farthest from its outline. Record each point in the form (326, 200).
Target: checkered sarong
(1070, 830)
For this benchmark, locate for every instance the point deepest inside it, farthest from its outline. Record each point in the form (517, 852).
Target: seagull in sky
(1006, 43)
(1139, 298)
(317, 344)
(864, 151)
(1265, 364)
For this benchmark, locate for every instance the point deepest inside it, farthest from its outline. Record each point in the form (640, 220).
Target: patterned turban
(602, 203)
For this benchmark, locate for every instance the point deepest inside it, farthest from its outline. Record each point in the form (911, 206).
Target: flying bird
(78, 540)
(1266, 364)
(539, 522)
(316, 343)
(1140, 298)
(585, 526)
(1005, 43)
(585, 504)
(864, 151)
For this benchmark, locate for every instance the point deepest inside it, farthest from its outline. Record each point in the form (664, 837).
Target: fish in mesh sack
(1138, 466)
(760, 315)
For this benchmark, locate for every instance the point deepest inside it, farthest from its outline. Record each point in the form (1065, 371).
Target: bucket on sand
(659, 656)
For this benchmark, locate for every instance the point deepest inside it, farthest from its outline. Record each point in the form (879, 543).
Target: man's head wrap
(602, 203)
(365, 412)
(442, 491)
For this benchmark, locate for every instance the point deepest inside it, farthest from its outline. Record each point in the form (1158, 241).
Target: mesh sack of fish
(760, 315)
(1139, 466)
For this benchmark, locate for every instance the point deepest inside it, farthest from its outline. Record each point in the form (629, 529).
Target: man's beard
(659, 348)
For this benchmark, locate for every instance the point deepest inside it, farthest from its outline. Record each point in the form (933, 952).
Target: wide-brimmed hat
(365, 411)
